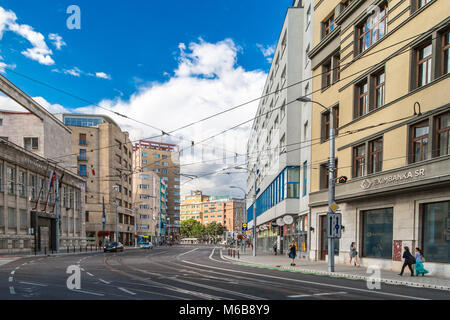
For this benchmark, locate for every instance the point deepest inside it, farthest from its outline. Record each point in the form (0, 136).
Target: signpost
(244, 227)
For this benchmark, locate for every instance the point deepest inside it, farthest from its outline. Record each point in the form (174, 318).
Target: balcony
(82, 158)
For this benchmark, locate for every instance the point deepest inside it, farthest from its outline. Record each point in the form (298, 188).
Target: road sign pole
(331, 192)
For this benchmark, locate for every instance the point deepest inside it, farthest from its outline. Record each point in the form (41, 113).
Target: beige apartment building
(164, 160)
(147, 203)
(383, 67)
(104, 159)
(227, 211)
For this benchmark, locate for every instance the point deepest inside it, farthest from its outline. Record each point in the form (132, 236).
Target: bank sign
(392, 179)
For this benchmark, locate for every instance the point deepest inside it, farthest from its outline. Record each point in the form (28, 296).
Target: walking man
(409, 261)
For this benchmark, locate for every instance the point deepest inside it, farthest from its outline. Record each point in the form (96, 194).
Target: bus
(143, 240)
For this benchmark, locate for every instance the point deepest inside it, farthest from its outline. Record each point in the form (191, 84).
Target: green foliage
(192, 229)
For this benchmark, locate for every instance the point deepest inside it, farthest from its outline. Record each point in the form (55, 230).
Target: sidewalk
(282, 262)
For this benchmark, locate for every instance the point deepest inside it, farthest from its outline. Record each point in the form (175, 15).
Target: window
(32, 187)
(164, 156)
(359, 155)
(156, 155)
(346, 3)
(372, 29)
(421, 3)
(442, 129)
(308, 16)
(326, 70)
(379, 80)
(11, 180)
(419, 141)
(83, 154)
(144, 186)
(377, 229)
(143, 154)
(22, 184)
(336, 68)
(144, 161)
(435, 220)
(446, 53)
(1, 122)
(1, 176)
(424, 60)
(376, 155)
(328, 25)
(362, 94)
(144, 176)
(283, 110)
(165, 164)
(157, 170)
(82, 139)
(12, 219)
(293, 182)
(325, 123)
(83, 172)
(305, 177)
(31, 143)
(164, 171)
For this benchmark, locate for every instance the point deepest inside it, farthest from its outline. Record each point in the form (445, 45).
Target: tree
(191, 229)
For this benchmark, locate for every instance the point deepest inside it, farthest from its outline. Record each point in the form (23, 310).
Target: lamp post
(116, 189)
(331, 179)
(254, 207)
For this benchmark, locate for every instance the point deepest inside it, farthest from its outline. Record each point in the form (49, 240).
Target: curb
(340, 275)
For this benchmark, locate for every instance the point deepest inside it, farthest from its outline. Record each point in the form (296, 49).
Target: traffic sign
(334, 206)
(244, 227)
(334, 225)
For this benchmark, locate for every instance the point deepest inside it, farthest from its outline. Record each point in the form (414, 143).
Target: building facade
(278, 149)
(147, 203)
(383, 67)
(164, 160)
(30, 205)
(104, 159)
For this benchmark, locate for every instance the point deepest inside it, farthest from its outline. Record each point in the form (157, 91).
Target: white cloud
(6, 103)
(57, 40)
(207, 80)
(4, 66)
(267, 51)
(40, 51)
(76, 72)
(102, 75)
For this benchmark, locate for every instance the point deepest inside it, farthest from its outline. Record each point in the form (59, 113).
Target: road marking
(17, 268)
(14, 271)
(106, 282)
(10, 279)
(34, 283)
(182, 254)
(329, 293)
(90, 274)
(127, 291)
(88, 292)
(299, 296)
(304, 281)
(11, 290)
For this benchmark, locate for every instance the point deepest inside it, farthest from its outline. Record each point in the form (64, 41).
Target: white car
(147, 245)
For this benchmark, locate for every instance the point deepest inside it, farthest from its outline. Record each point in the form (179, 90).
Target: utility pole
(57, 213)
(117, 220)
(331, 191)
(103, 221)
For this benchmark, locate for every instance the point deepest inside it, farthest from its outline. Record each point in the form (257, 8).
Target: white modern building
(279, 149)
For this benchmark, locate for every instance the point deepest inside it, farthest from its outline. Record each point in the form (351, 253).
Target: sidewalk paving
(282, 262)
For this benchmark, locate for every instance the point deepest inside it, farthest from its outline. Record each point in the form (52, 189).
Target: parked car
(147, 246)
(113, 247)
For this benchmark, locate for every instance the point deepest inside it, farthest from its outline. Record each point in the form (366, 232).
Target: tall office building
(105, 161)
(164, 160)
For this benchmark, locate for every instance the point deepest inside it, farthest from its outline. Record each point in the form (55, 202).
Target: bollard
(238, 255)
(67, 249)
(45, 250)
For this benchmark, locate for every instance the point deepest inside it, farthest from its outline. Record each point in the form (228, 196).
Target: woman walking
(409, 261)
(292, 252)
(419, 263)
(354, 254)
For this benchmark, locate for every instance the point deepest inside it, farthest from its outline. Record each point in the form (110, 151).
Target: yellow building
(383, 67)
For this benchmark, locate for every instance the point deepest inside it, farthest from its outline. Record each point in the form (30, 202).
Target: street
(180, 273)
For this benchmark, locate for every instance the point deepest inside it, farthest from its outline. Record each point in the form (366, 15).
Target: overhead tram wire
(224, 111)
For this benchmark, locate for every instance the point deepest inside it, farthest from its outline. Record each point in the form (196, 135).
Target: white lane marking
(299, 296)
(11, 290)
(88, 292)
(17, 268)
(212, 253)
(34, 283)
(182, 254)
(329, 293)
(106, 282)
(127, 291)
(14, 271)
(304, 281)
(10, 279)
(90, 274)
(82, 269)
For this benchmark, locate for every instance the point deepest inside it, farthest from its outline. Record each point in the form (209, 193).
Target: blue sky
(133, 42)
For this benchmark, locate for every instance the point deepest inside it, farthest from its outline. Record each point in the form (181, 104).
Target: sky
(164, 63)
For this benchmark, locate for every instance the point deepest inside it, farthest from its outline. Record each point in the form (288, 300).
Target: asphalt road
(180, 273)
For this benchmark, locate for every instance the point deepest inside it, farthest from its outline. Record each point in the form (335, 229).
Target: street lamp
(254, 206)
(116, 189)
(331, 179)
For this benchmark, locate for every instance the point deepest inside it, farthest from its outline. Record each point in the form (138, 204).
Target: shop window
(359, 160)
(376, 155)
(435, 226)
(442, 134)
(372, 29)
(419, 141)
(377, 230)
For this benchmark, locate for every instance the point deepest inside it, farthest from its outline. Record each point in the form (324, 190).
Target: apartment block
(382, 68)
(104, 160)
(164, 160)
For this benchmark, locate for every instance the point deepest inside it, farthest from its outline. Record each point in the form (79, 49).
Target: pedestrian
(292, 252)
(275, 248)
(409, 261)
(251, 244)
(354, 254)
(419, 263)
